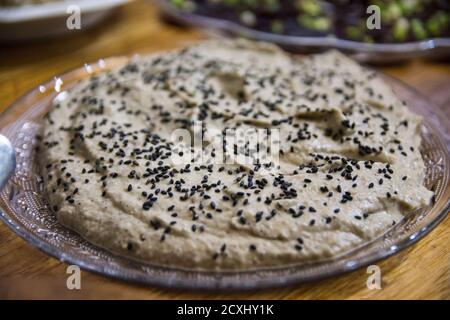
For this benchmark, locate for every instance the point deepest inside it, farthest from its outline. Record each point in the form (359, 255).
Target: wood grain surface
(419, 272)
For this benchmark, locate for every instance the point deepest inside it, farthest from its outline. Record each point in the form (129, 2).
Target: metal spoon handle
(7, 160)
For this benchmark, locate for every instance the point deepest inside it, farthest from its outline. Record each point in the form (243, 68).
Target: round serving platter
(23, 206)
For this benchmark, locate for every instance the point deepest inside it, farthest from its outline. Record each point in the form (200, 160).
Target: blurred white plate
(50, 19)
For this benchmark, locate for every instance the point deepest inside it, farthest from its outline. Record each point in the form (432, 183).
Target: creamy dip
(349, 165)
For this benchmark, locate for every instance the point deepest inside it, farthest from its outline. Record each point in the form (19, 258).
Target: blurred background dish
(409, 28)
(24, 20)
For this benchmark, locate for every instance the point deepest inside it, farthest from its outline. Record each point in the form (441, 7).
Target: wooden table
(422, 271)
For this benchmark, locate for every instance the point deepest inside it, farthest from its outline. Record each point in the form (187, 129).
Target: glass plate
(367, 52)
(24, 210)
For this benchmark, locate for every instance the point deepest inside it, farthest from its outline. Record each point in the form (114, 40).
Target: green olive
(277, 26)
(272, 5)
(438, 23)
(321, 24)
(184, 5)
(310, 7)
(248, 18)
(314, 23)
(179, 4)
(391, 12)
(418, 29)
(401, 28)
(353, 32)
(409, 7)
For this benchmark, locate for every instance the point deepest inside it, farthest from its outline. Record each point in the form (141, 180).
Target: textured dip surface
(349, 162)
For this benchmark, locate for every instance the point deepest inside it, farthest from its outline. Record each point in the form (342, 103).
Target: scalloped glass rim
(370, 52)
(35, 223)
